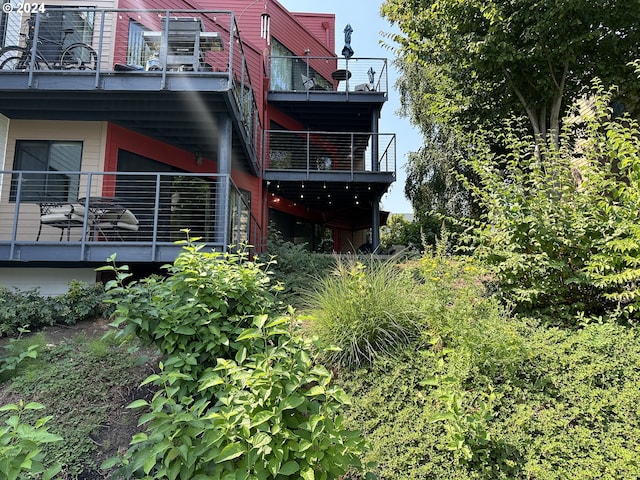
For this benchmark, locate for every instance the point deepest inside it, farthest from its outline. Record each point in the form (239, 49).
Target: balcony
(165, 73)
(69, 217)
(328, 171)
(329, 93)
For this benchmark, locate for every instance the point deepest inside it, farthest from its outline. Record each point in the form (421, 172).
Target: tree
(477, 60)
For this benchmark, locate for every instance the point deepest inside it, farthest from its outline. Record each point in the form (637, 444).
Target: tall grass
(364, 309)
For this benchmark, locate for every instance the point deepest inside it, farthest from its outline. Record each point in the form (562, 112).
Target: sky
(364, 18)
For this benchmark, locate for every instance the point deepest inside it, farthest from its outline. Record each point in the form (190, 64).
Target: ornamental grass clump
(364, 310)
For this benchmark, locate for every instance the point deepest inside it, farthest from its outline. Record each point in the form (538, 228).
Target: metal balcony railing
(155, 44)
(118, 211)
(328, 74)
(331, 151)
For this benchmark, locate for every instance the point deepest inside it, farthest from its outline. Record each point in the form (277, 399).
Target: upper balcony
(304, 87)
(164, 73)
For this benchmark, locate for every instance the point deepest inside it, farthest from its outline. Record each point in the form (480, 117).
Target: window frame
(45, 189)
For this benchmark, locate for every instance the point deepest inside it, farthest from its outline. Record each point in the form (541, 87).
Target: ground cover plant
(487, 395)
(80, 384)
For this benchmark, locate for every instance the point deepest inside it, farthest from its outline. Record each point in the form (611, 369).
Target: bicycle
(77, 56)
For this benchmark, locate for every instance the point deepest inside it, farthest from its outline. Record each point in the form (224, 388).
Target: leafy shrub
(193, 314)
(365, 310)
(561, 230)
(266, 414)
(28, 309)
(614, 154)
(17, 352)
(294, 266)
(240, 396)
(20, 444)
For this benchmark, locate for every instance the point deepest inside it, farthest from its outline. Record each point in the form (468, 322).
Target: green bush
(239, 394)
(16, 353)
(20, 444)
(561, 224)
(294, 266)
(271, 414)
(29, 309)
(193, 314)
(365, 310)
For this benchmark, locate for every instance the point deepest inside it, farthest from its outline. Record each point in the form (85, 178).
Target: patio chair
(64, 216)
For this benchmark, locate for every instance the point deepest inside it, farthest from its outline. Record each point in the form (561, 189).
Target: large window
(48, 158)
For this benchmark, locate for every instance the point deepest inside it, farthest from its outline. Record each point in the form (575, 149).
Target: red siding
(120, 138)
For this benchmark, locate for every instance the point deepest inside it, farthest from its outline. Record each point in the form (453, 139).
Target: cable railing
(109, 47)
(120, 211)
(331, 151)
(328, 74)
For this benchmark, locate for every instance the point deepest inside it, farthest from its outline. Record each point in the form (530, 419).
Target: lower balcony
(69, 217)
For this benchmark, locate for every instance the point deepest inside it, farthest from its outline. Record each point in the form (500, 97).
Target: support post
(224, 169)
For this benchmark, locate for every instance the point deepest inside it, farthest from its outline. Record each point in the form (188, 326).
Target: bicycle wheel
(14, 58)
(78, 56)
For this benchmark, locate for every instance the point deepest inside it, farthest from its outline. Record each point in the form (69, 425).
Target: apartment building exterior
(121, 127)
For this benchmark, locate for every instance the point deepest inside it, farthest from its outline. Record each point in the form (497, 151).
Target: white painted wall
(48, 281)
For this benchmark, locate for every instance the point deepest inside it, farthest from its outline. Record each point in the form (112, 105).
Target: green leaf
(294, 401)
(261, 439)
(307, 474)
(260, 320)
(249, 333)
(231, 451)
(289, 468)
(260, 418)
(138, 438)
(138, 404)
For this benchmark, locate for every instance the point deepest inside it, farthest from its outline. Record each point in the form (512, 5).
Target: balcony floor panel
(72, 252)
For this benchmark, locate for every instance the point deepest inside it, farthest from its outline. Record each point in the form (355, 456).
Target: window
(138, 52)
(44, 156)
(287, 73)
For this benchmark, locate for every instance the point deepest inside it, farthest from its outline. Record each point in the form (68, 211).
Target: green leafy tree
(561, 227)
(468, 64)
(477, 61)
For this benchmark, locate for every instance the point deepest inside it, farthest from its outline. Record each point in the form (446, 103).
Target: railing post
(156, 215)
(351, 150)
(164, 50)
(308, 154)
(34, 48)
(85, 218)
(100, 45)
(16, 214)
